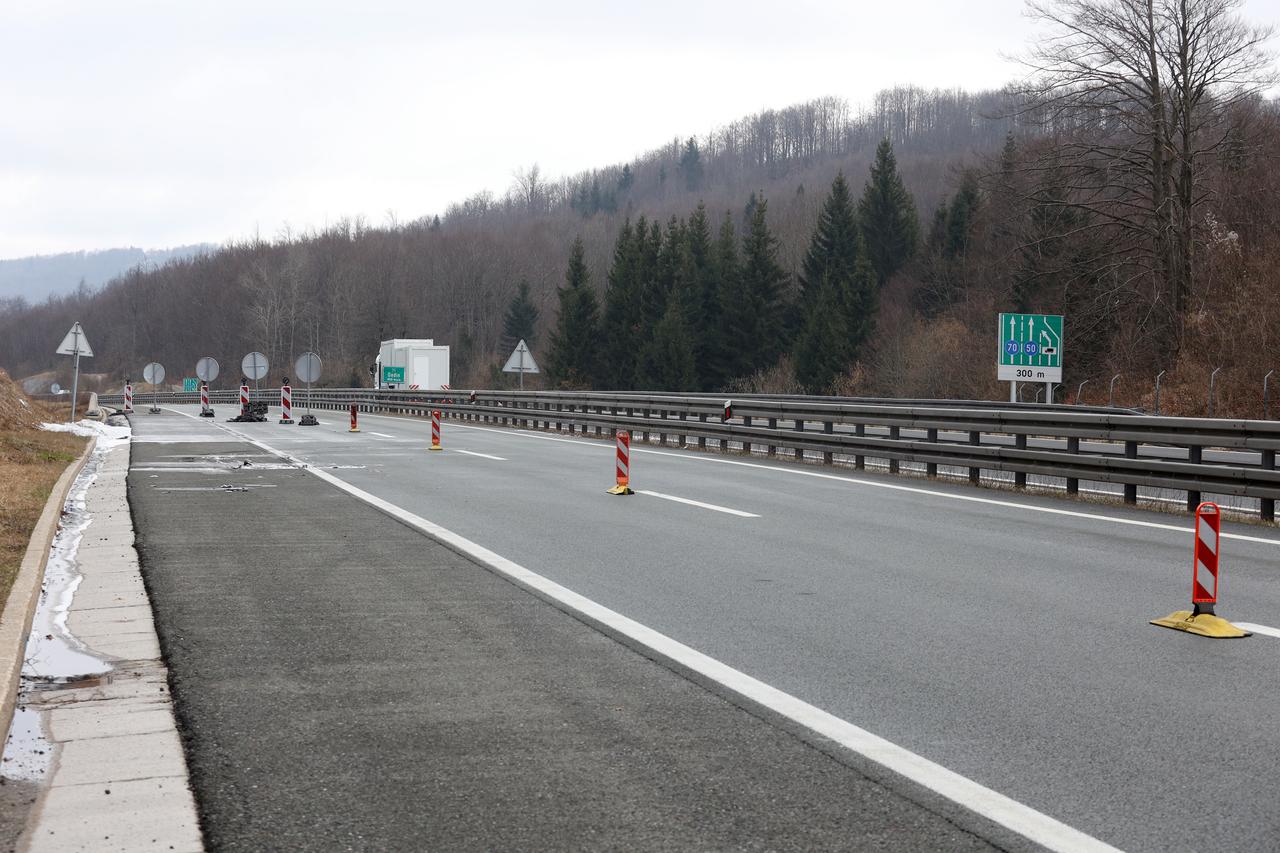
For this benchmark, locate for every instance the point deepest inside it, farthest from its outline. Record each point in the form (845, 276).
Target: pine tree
(960, 215)
(521, 319)
(666, 362)
(703, 307)
(819, 358)
(833, 249)
(762, 285)
(888, 216)
(621, 312)
(691, 165)
(722, 353)
(626, 179)
(574, 359)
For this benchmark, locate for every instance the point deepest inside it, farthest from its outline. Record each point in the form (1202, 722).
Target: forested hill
(38, 277)
(735, 258)
(450, 276)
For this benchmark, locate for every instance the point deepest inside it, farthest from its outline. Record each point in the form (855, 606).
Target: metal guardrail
(1190, 455)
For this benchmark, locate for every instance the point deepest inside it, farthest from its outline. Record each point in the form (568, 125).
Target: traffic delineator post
(728, 410)
(355, 426)
(128, 398)
(623, 465)
(244, 399)
(286, 404)
(435, 430)
(206, 411)
(1205, 565)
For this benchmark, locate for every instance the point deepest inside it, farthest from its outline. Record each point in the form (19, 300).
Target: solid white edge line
(1005, 811)
(692, 502)
(481, 455)
(897, 487)
(1258, 629)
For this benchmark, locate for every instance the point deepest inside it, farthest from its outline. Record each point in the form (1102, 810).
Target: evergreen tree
(819, 359)
(626, 179)
(722, 354)
(621, 311)
(574, 358)
(888, 217)
(762, 285)
(833, 250)
(520, 320)
(861, 305)
(703, 307)
(666, 362)
(960, 215)
(691, 165)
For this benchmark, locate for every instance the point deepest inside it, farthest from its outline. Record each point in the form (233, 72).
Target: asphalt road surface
(1002, 636)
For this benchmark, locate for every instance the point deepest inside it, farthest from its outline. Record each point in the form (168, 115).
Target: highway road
(1003, 636)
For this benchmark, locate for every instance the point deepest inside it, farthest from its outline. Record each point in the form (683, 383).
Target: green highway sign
(189, 384)
(1030, 348)
(392, 375)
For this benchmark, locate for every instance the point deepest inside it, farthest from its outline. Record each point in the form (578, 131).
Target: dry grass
(31, 461)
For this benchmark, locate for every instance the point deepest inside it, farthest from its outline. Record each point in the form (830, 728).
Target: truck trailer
(412, 364)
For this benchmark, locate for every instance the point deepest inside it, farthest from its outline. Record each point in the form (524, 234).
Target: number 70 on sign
(1029, 347)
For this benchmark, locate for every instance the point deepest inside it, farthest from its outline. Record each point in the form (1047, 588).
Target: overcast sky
(155, 124)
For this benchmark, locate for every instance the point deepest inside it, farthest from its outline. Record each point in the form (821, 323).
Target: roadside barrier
(728, 410)
(1201, 619)
(355, 426)
(286, 404)
(623, 467)
(206, 411)
(244, 399)
(435, 430)
(128, 398)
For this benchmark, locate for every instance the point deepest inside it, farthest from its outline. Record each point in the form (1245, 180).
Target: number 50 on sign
(1029, 348)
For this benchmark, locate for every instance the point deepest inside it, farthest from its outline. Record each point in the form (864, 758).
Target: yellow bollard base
(620, 490)
(1205, 625)
(435, 447)
(353, 430)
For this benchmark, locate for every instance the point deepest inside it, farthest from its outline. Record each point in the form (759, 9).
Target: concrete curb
(20, 609)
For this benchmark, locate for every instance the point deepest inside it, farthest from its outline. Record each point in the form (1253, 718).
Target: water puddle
(54, 657)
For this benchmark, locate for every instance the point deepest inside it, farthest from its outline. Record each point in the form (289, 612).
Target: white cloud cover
(159, 123)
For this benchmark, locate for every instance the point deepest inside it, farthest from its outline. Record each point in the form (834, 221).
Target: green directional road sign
(1030, 348)
(392, 375)
(190, 384)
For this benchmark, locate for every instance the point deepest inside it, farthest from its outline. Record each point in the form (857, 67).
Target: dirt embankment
(31, 460)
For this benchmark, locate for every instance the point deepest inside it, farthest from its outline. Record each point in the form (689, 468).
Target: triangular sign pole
(75, 344)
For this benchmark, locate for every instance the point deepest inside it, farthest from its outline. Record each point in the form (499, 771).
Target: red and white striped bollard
(286, 404)
(623, 465)
(435, 430)
(1201, 619)
(244, 399)
(355, 426)
(128, 398)
(204, 399)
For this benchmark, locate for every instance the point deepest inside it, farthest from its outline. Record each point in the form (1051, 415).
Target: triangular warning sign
(75, 341)
(521, 360)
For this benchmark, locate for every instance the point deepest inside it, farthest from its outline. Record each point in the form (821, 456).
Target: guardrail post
(799, 427)
(931, 468)
(860, 461)
(894, 433)
(975, 473)
(683, 438)
(1131, 489)
(773, 448)
(662, 436)
(1020, 477)
(702, 439)
(1268, 507)
(746, 440)
(828, 427)
(1073, 485)
(1195, 455)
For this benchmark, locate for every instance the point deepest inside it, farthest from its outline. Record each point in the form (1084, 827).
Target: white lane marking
(481, 455)
(1258, 629)
(381, 434)
(691, 502)
(1022, 819)
(698, 457)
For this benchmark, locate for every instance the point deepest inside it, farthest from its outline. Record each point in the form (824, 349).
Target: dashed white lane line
(481, 455)
(1258, 629)
(800, 472)
(692, 502)
(380, 434)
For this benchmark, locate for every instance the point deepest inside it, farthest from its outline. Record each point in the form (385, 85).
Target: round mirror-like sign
(254, 365)
(207, 369)
(153, 373)
(55, 388)
(307, 367)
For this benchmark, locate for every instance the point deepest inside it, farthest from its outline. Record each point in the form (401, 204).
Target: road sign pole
(521, 370)
(1013, 392)
(75, 382)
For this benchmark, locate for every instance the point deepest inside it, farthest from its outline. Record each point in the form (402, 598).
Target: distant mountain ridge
(38, 277)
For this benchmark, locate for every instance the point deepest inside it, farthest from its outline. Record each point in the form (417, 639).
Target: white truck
(412, 364)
